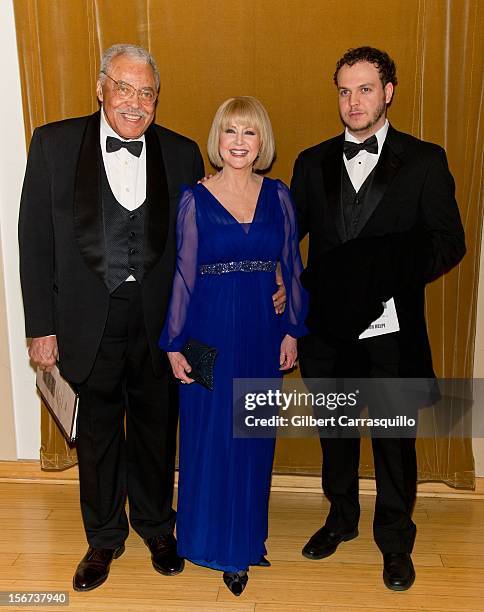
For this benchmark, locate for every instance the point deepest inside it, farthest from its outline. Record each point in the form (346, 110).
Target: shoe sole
(329, 552)
(165, 573)
(119, 551)
(396, 587)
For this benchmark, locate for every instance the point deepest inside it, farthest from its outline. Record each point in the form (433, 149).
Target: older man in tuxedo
(97, 247)
(382, 220)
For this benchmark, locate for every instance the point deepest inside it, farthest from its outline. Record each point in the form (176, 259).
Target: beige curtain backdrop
(284, 52)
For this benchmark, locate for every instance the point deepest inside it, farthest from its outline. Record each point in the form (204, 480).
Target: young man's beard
(380, 112)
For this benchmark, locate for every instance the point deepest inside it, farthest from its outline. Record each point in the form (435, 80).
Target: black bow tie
(351, 149)
(114, 144)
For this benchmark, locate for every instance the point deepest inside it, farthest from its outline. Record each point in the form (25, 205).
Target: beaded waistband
(238, 266)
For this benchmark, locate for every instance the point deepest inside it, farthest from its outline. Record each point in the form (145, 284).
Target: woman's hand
(180, 367)
(288, 357)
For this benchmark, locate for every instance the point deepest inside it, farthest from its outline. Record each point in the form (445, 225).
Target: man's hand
(44, 352)
(205, 178)
(180, 367)
(279, 297)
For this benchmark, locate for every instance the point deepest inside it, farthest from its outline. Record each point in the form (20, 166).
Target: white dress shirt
(360, 166)
(126, 173)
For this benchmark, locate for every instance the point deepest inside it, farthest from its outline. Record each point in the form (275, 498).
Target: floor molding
(312, 484)
(29, 471)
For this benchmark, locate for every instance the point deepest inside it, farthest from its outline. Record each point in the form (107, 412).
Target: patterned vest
(124, 238)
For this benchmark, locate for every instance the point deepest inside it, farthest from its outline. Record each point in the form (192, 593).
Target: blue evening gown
(224, 483)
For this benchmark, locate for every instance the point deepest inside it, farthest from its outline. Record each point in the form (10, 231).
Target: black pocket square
(201, 358)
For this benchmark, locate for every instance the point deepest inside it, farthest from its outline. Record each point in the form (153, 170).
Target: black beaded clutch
(201, 357)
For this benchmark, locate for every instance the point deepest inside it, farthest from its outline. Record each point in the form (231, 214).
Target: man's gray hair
(132, 51)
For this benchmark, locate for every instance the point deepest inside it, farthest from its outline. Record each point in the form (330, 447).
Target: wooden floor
(42, 540)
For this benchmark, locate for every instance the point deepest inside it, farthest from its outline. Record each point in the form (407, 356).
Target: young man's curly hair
(383, 62)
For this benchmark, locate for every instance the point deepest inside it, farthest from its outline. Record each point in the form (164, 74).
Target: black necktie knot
(351, 149)
(133, 146)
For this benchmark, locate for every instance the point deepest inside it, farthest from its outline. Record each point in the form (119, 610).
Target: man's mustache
(132, 111)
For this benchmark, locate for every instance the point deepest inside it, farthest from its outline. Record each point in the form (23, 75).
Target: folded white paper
(386, 324)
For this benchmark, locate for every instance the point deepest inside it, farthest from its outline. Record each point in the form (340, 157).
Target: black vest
(124, 238)
(352, 202)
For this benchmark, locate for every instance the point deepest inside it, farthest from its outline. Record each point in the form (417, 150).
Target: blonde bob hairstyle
(250, 112)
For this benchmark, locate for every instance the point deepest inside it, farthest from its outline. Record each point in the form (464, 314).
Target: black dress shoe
(398, 571)
(93, 569)
(324, 543)
(236, 582)
(264, 562)
(164, 556)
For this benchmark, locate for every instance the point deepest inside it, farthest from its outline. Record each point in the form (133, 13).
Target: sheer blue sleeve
(291, 266)
(173, 336)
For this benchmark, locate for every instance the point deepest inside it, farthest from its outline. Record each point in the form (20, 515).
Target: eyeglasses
(146, 95)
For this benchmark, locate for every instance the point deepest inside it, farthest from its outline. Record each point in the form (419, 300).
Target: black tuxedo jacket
(61, 236)
(409, 233)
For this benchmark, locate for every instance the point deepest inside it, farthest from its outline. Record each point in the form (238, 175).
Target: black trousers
(126, 427)
(394, 458)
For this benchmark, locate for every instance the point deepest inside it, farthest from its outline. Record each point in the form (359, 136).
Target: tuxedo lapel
(88, 217)
(332, 167)
(386, 169)
(158, 199)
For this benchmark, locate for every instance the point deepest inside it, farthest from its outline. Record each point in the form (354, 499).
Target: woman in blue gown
(231, 232)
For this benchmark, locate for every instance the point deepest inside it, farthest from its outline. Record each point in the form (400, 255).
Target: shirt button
(132, 235)
(132, 251)
(132, 216)
(132, 269)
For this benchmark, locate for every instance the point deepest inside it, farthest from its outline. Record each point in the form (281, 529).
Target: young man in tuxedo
(382, 220)
(97, 249)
